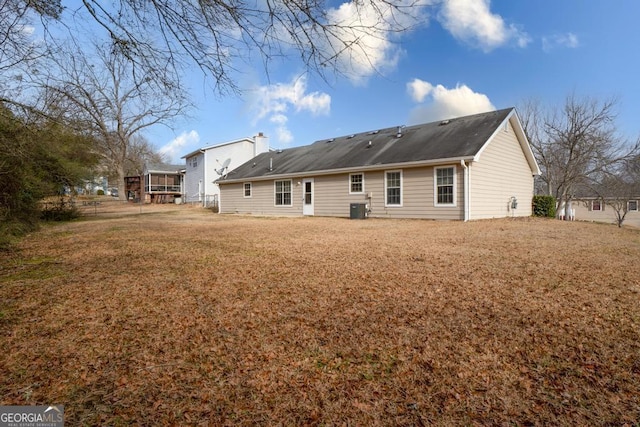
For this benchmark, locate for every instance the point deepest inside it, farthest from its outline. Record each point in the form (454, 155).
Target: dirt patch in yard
(184, 317)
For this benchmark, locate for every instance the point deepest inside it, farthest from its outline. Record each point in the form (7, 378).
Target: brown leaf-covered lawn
(184, 317)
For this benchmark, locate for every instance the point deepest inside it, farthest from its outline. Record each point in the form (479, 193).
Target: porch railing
(165, 188)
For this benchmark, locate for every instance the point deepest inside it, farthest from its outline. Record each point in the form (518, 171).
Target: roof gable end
(513, 119)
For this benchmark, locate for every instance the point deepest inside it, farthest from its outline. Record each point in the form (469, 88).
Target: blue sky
(467, 56)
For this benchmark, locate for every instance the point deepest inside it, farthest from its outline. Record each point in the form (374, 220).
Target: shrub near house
(465, 168)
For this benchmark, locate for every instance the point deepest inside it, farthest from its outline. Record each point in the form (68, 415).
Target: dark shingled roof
(164, 168)
(461, 137)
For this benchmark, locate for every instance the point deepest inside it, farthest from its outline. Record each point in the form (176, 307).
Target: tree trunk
(121, 186)
(561, 208)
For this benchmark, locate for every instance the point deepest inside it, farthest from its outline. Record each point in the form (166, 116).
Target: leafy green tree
(38, 159)
(19, 188)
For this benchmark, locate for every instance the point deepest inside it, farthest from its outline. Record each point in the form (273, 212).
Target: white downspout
(466, 190)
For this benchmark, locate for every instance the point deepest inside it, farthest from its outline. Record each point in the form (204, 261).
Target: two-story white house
(205, 165)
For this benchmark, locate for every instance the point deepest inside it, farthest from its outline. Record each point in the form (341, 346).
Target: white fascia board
(193, 153)
(524, 143)
(386, 166)
(512, 117)
(209, 147)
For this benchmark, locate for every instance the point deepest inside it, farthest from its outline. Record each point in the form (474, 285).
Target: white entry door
(307, 196)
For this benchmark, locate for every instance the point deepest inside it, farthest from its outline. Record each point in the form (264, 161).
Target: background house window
(393, 188)
(445, 186)
(632, 205)
(247, 189)
(356, 183)
(596, 205)
(283, 193)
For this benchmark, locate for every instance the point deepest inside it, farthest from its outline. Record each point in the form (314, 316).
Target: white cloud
(28, 30)
(279, 97)
(419, 89)
(275, 102)
(568, 40)
(361, 42)
(472, 22)
(445, 103)
(283, 134)
(176, 148)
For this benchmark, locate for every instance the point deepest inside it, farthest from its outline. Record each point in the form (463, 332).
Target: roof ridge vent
(351, 136)
(444, 122)
(330, 140)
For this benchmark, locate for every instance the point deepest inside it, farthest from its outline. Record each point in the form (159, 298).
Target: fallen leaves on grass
(199, 319)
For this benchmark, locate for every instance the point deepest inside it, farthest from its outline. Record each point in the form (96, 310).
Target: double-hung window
(445, 186)
(247, 189)
(283, 193)
(393, 188)
(632, 206)
(356, 183)
(596, 205)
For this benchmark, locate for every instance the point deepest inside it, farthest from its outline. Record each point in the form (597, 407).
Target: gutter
(466, 190)
(364, 168)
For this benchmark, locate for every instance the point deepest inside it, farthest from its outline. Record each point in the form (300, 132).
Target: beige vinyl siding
(583, 212)
(262, 200)
(608, 215)
(501, 171)
(332, 196)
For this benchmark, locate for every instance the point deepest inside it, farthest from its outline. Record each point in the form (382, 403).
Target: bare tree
(575, 145)
(619, 187)
(141, 152)
(159, 38)
(103, 99)
(16, 45)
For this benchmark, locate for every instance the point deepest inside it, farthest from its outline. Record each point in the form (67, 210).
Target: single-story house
(473, 167)
(205, 165)
(598, 209)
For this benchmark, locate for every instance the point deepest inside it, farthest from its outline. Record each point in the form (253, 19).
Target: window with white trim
(356, 183)
(445, 186)
(393, 188)
(247, 189)
(632, 205)
(596, 205)
(282, 193)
